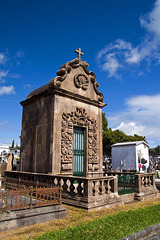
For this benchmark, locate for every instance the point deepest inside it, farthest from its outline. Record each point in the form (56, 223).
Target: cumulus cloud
(131, 128)
(118, 55)
(7, 90)
(111, 65)
(141, 116)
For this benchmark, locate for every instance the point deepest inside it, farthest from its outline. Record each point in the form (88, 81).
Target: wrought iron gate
(126, 184)
(78, 152)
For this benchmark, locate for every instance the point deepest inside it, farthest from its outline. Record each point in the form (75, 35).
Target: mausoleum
(132, 156)
(62, 124)
(61, 144)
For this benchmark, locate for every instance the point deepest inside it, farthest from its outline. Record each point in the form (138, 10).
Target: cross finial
(78, 51)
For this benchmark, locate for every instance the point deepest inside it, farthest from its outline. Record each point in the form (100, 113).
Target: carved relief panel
(81, 119)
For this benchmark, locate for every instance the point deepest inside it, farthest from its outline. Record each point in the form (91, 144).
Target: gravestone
(9, 162)
(62, 124)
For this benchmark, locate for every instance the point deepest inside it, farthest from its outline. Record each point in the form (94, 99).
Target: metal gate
(126, 184)
(78, 152)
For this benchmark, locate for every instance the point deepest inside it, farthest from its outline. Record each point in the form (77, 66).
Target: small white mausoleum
(133, 156)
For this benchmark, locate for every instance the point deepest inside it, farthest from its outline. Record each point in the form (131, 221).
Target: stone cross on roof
(78, 51)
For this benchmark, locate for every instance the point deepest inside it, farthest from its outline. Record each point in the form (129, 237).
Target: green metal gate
(78, 152)
(126, 184)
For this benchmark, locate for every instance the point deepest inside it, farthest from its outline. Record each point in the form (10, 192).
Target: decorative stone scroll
(67, 68)
(81, 119)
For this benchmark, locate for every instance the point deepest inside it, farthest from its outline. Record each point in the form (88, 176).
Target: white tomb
(133, 156)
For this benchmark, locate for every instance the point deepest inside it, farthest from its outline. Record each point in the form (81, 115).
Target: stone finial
(78, 51)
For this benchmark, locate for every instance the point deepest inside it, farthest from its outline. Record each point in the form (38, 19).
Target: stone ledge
(22, 218)
(143, 233)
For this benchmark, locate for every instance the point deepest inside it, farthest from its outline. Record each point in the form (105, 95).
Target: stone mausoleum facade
(62, 124)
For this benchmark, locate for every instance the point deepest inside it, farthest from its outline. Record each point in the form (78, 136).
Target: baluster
(93, 188)
(107, 187)
(96, 188)
(79, 188)
(153, 180)
(149, 181)
(142, 181)
(102, 187)
(145, 181)
(65, 186)
(58, 182)
(72, 187)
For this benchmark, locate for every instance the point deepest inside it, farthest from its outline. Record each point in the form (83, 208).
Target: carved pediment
(74, 76)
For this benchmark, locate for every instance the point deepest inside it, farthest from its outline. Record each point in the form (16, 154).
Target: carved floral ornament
(78, 118)
(81, 81)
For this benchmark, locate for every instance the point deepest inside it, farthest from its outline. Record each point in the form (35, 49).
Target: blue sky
(120, 40)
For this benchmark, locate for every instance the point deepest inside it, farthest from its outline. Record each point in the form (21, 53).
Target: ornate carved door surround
(81, 119)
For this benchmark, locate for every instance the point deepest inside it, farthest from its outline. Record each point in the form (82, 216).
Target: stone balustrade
(145, 186)
(87, 193)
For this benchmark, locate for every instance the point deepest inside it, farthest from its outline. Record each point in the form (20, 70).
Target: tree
(12, 146)
(155, 151)
(104, 122)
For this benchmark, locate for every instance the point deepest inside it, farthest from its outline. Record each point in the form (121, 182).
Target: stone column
(154, 183)
(138, 188)
(115, 185)
(88, 190)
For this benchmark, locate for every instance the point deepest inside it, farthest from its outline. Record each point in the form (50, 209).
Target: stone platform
(22, 218)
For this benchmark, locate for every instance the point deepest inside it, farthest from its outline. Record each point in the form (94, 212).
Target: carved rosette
(81, 119)
(81, 81)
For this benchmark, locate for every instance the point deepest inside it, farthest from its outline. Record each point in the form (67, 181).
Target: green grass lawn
(110, 227)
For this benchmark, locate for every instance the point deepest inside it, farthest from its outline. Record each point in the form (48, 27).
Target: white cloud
(130, 128)
(25, 86)
(141, 116)
(133, 56)
(120, 55)
(3, 74)
(111, 65)
(2, 58)
(14, 75)
(151, 21)
(7, 90)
